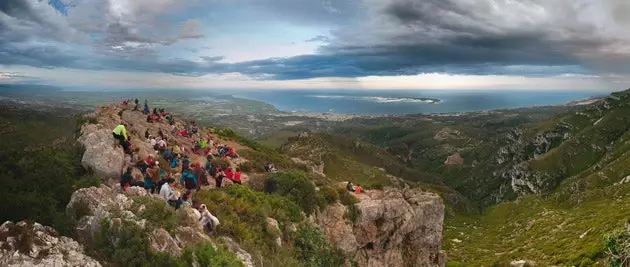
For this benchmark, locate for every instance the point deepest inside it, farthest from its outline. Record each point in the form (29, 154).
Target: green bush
(345, 197)
(617, 248)
(353, 213)
(329, 194)
(128, 245)
(294, 186)
(312, 249)
(243, 214)
(157, 212)
(246, 166)
(207, 255)
(219, 162)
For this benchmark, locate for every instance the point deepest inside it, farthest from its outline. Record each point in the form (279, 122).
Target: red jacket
(237, 177)
(229, 174)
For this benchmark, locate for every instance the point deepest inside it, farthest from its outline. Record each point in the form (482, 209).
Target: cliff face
(395, 227)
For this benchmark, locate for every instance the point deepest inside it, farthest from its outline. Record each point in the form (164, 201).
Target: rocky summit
(390, 226)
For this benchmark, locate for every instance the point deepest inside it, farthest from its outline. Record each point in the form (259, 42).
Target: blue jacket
(174, 163)
(188, 175)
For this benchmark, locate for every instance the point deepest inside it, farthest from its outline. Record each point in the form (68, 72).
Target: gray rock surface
(24, 244)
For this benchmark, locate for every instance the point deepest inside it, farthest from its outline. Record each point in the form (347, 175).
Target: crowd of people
(191, 176)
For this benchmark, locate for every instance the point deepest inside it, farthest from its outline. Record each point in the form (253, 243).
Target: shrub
(329, 194)
(312, 249)
(353, 213)
(221, 163)
(208, 255)
(345, 197)
(157, 213)
(294, 186)
(617, 247)
(243, 214)
(246, 166)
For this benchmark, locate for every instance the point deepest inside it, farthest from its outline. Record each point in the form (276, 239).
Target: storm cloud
(366, 37)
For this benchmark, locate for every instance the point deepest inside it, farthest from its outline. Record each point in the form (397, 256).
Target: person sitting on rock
(145, 111)
(186, 199)
(169, 195)
(167, 155)
(350, 187)
(208, 221)
(357, 189)
(228, 173)
(189, 180)
(162, 145)
(237, 176)
(120, 134)
(231, 153)
(153, 174)
(185, 163)
(147, 136)
(126, 179)
(208, 165)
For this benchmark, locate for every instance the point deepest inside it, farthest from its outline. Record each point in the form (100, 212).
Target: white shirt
(162, 143)
(166, 192)
(153, 142)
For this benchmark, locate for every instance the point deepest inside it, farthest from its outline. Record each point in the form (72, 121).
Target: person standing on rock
(120, 134)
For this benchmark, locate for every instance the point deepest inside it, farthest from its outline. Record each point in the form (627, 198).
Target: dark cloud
(319, 38)
(369, 37)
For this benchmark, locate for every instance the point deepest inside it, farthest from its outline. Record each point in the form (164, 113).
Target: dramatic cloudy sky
(371, 44)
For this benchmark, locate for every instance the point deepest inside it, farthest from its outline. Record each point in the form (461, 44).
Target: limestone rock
(396, 227)
(160, 240)
(190, 236)
(187, 217)
(241, 254)
(101, 155)
(272, 224)
(26, 244)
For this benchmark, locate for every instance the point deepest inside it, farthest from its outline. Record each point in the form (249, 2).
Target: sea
(412, 101)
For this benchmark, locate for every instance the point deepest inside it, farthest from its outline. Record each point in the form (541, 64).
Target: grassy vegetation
(128, 245)
(544, 230)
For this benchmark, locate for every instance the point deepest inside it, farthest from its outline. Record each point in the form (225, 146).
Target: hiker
(120, 134)
(200, 174)
(167, 155)
(147, 135)
(219, 179)
(126, 179)
(161, 134)
(174, 161)
(357, 189)
(189, 180)
(208, 166)
(185, 163)
(186, 199)
(145, 111)
(350, 187)
(162, 145)
(207, 220)
(153, 142)
(231, 153)
(153, 174)
(237, 176)
(228, 173)
(268, 167)
(136, 101)
(169, 195)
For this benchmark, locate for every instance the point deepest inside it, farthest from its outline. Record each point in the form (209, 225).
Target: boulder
(101, 154)
(396, 227)
(241, 254)
(25, 244)
(160, 240)
(273, 226)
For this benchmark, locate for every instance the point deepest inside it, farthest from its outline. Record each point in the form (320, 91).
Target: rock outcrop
(24, 244)
(101, 154)
(395, 227)
(91, 206)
